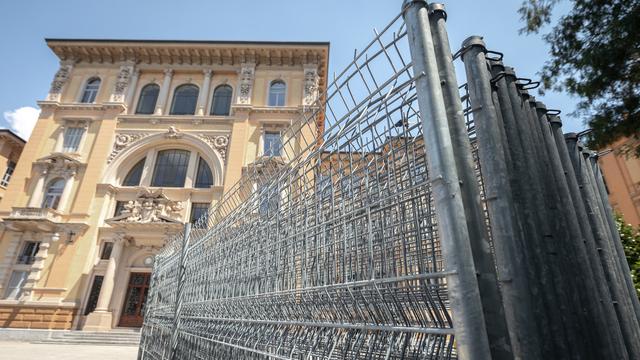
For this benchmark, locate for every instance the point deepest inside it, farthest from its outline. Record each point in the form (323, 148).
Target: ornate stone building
(621, 170)
(135, 138)
(11, 146)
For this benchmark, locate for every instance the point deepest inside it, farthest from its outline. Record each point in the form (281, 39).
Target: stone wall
(35, 317)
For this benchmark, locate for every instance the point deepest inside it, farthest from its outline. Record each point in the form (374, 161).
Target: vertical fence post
(181, 278)
(504, 226)
(480, 245)
(466, 303)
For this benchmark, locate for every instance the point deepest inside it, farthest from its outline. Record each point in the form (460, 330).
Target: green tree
(594, 54)
(631, 242)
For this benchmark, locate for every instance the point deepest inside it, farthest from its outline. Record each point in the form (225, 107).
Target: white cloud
(22, 120)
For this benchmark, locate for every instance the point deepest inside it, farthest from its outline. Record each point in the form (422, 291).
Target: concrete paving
(14, 350)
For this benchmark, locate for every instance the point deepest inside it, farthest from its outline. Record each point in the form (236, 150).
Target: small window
(204, 178)
(107, 247)
(272, 143)
(277, 91)
(148, 99)
(199, 210)
(90, 91)
(52, 195)
(221, 100)
(16, 282)
(28, 253)
(72, 136)
(94, 294)
(135, 174)
(11, 166)
(185, 99)
(171, 168)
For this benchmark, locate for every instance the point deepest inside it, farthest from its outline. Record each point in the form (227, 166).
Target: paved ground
(13, 350)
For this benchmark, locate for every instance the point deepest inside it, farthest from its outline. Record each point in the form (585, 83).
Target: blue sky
(27, 65)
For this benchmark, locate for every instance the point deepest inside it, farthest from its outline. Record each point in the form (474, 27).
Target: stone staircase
(117, 337)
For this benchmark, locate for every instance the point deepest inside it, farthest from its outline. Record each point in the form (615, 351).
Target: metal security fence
(405, 218)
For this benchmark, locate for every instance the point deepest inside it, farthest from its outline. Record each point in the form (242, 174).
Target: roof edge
(204, 42)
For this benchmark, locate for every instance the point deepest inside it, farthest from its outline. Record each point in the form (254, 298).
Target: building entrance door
(133, 307)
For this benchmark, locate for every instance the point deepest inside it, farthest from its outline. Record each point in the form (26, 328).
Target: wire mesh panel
(330, 250)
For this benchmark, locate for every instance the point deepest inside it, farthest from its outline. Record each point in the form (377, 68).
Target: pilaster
(164, 91)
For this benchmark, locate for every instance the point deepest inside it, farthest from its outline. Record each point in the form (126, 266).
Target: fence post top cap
(496, 63)
(406, 3)
(474, 40)
(571, 136)
(438, 7)
(555, 120)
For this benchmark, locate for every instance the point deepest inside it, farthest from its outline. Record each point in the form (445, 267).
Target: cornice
(55, 105)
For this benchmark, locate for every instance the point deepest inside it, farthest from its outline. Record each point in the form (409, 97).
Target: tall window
(28, 254)
(107, 248)
(171, 168)
(11, 166)
(134, 175)
(72, 136)
(199, 210)
(52, 195)
(277, 91)
(185, 99)
(272, 143)
(204, 178)
(221, 100)
(90, 91)
(148, 99)
(92, 301)
(16, 282)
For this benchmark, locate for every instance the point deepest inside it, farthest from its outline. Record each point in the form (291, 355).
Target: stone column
(204, 93)
(101, 318)
(60, 140)
(36, 197)
(38, 265)
(128, 100)
(164, 91)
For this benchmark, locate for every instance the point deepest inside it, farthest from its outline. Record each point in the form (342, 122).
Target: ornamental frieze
(122, 141)
(59, 80)
(150, 207)
(122, 83)
(218, 142)
(311, 80)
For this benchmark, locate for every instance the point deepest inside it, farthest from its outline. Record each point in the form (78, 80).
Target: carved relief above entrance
(150, 207)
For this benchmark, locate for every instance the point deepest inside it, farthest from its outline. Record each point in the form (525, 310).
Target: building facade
(11, 146)
(136, 138)
(621, 171)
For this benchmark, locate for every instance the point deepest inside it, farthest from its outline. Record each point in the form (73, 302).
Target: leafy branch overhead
(595, 55)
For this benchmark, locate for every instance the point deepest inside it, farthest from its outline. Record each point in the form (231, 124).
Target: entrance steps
(118, 337)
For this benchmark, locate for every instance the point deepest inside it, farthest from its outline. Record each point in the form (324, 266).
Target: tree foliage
(631, 242)
(594, 54)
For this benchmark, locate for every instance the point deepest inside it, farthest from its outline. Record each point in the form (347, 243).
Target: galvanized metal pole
(483, 259)
(466, 303)
(609, 318)
(504, 226)
(181, 282)
(617, 243)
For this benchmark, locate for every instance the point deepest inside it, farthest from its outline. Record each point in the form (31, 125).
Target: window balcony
(32, 213)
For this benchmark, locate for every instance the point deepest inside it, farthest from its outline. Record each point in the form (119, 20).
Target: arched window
(185, 99)
(204, 179)
(90, 90)
(148, 99)
(277, 91)
(134, 175)
(53, 193)
(171, 168)
(221, 100)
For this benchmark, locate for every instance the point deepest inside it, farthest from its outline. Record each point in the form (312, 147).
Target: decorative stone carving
(173, 133)
(122, 83)
(151, 207)
(217, 142)
(59, 80)
(311, 80)
(122, 141)
(59, 165)
(247, 74)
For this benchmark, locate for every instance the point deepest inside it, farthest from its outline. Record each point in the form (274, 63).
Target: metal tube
(539, 239)
(492, 303)
(593, 318)
(499, 199)
(609, 318)
(521, 170)
(466, 303)
(179, 292)
(617, 242)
